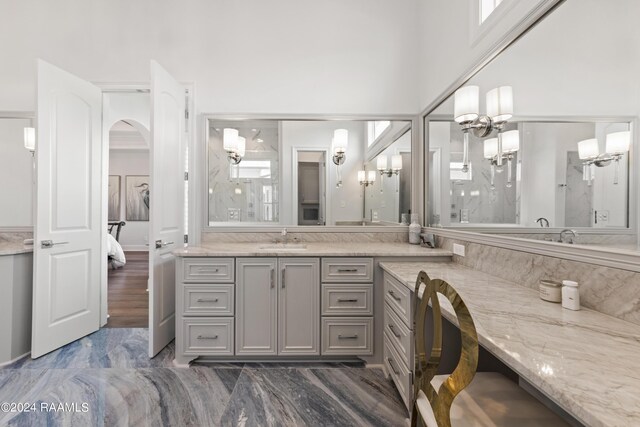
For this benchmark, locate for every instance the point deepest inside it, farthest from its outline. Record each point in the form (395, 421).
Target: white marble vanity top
(379, 249)
(8, 247)
(586, 361)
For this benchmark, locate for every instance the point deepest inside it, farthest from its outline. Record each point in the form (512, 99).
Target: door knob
(160, 244)
(46, 244)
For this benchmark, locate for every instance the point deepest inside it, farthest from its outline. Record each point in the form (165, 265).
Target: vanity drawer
(398, 297)
(208, 300)
(208, 270)
(347, 336)
(347, 270)
(347, 300)
(399, 335)
(399, 372)
(208, 336)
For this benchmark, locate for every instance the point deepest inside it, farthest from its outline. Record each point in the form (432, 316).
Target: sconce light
(30, 139)
(467, 113)
(234, 145)
(617, 144)
(396, 165)
(339, 144)
(510, 145)
(366, 178)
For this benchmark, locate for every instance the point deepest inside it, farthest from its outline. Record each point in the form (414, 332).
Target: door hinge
(186, 238)
(186, 176)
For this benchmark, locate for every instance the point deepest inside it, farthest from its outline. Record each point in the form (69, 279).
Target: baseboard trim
(2, 365)
(135, 248)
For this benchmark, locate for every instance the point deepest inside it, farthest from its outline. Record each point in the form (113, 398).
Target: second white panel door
(299, 306)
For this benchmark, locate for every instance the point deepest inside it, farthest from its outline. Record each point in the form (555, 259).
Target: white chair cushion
(492, 400)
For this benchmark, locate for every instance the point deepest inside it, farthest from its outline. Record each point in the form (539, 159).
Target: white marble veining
(12, 243)
(608, 290)
(321, 236)
(314, 249)
(585, 361)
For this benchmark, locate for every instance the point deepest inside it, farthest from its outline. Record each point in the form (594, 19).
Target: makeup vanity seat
(316, 301)
(583, 361)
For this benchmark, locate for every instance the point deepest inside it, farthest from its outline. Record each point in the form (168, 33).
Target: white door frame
(328, 217)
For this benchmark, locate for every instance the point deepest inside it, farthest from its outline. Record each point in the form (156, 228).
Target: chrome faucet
(541, 220)
(569, 240)
(284, 235)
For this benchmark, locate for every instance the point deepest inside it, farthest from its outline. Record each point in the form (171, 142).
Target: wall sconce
(366, 178)
(396, 165)
(234, 145)
(617, 144)
(467, 113)
(339, 145)
(510, 145)
(30, 139)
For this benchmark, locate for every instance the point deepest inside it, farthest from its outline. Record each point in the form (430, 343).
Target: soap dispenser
(414, 230)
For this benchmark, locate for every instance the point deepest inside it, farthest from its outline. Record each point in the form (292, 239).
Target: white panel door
(166, 208)
(68, 232)
(299, 306)
(256, 306)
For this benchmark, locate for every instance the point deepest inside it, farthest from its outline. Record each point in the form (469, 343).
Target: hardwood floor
(128, 297)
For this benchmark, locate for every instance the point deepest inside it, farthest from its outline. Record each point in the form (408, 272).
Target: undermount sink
(283, 246)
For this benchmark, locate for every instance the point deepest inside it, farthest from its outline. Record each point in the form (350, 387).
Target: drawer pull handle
(348, 337)
(273, 277)
(207, 269)
(394, 296)
(347, 270)
(207, 300)
(394, 331)
(204, 337)
(393, 366)
(347, 300)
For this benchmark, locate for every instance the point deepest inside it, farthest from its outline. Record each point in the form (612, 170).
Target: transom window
(487, 7)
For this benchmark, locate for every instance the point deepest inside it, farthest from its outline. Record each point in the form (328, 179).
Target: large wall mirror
(308, 172)
(544, 138)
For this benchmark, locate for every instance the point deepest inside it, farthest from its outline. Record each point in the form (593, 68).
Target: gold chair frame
(426, 291)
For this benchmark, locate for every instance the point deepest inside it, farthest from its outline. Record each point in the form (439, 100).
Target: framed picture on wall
(114, 198)
(137, 187)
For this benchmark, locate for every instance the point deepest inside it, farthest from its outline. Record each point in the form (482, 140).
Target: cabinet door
(299, 306)
(256, 310)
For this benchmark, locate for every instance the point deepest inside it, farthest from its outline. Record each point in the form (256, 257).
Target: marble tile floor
(110, 372)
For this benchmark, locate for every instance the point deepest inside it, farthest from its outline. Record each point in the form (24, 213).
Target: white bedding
(114, 250)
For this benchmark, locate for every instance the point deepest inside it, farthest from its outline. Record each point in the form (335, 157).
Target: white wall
(135, 234)
(16, 175)
(288, 56)
(343, 204)
(448, 46)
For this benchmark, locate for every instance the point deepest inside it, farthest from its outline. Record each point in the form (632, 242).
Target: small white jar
(550, 291)
(570, 295)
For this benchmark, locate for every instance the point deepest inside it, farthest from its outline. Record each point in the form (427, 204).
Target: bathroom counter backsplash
(12, 243)
(608, 290)
(379, 249)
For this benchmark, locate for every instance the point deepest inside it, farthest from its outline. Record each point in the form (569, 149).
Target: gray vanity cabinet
(299, 306)
(256, 306)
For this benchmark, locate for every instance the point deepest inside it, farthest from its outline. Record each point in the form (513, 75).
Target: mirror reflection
(308, 172)
(544, 136)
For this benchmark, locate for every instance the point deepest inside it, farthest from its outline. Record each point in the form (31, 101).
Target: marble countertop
(313, 249)
(8, 247)
(584, 360)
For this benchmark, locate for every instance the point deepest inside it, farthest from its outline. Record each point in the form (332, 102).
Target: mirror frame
(609, 257)
(28, 115)
(417, 176)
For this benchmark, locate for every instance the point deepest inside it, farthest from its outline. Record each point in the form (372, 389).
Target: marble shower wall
(485, 205)
(260, 237)
(578, 194)
(608, 290)
(225, 204)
